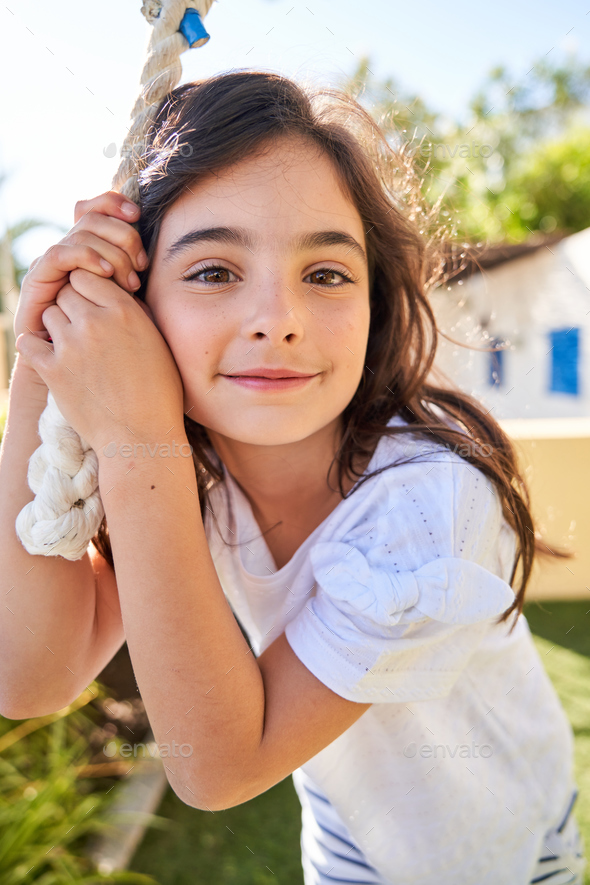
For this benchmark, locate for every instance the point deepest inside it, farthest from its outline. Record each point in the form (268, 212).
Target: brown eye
(328, 277)
(212, 275)
(324, 276)
(215, 275)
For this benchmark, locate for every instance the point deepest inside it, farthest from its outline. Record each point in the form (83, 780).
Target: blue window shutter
(564, 360)
(496, 363)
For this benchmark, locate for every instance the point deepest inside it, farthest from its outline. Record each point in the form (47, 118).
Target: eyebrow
(240, 237)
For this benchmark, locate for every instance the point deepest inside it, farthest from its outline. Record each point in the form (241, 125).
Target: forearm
(48, 616)
(199, 680)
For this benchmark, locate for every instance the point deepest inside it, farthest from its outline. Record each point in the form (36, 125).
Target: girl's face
(263, 266)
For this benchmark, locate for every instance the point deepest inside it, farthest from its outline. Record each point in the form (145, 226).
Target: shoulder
(406, 586)
(423, 541)
(434, 501)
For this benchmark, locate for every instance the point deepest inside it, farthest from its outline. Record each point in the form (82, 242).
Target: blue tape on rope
(193, 29)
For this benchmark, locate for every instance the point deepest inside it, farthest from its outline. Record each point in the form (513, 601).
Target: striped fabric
(329, 854)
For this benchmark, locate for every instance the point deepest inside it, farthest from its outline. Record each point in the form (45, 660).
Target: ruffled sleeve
(404, 598)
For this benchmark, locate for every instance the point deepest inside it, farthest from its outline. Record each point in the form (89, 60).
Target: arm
(47, 619)
(248, 722)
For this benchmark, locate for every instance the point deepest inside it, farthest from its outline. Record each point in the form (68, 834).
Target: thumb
(33, 348)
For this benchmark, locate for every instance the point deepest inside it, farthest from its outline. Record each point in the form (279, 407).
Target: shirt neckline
(236, 493)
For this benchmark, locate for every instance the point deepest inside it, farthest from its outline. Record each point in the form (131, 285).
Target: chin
(269, 429)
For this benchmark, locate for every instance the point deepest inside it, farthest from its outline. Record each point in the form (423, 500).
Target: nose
(274, 309)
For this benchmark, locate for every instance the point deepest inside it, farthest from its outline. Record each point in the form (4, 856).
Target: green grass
(565, 652)
(252, 844)
(47, 809)
(240, 846)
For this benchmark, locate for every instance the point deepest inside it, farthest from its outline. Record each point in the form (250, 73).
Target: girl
(281, 334)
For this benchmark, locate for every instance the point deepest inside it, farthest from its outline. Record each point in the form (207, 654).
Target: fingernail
(106, 264)
(129, 208)
(134, 282)
(142, 259)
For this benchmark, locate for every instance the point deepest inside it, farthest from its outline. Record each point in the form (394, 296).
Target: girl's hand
(109, 369)
(102, 232)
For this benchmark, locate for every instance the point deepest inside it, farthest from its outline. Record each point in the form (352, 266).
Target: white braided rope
(162, 72)
(63, 472)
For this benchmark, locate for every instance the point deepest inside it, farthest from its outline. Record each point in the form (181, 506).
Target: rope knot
(63, 472)
(151, 10)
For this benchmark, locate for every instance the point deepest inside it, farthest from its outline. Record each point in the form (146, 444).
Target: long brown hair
(207, 125)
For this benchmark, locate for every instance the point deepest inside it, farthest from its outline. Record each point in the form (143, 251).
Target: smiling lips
(262, 372)
(270, 379)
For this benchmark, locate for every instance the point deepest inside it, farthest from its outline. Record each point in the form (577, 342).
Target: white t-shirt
(465, 757)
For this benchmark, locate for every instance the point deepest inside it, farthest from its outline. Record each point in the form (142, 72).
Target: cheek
(347, 332)
(187, 333)
(358, 336)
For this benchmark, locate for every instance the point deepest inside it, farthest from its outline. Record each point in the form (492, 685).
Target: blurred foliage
(14, 232)
(552, 190)
(47, 809)
(520, 164)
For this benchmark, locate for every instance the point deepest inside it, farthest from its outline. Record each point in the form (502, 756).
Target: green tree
(12, 272)
(548, 190)
(14, 232)
(520, 162)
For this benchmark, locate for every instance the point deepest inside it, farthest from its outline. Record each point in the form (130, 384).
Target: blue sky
(70, 72)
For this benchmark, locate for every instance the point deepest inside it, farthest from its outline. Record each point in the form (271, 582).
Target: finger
(43, 335)
(34, 262)
(124, 274)
(71, 303)
(36, 352)
(109, 203)
(114, 230)
(75, 305)
(62, 258)
(55, 321)
(96, 290)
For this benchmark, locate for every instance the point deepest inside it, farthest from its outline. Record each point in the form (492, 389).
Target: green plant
(47, 810)
(517, 164)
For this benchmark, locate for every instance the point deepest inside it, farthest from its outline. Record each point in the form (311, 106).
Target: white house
(538, 305)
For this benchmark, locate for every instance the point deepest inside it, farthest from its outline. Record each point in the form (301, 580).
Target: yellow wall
(554, 457)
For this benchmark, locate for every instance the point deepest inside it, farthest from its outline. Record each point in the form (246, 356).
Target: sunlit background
(70, 74)
(493, 102)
